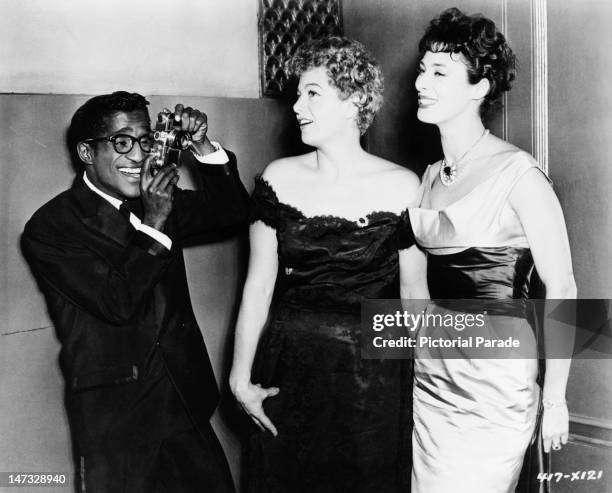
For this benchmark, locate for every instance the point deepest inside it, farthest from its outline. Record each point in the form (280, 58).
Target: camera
(168, 140)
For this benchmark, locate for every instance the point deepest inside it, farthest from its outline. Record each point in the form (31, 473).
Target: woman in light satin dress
(487, 214)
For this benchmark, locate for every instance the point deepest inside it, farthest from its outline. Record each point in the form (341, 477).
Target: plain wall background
(580, 111)
(180, 47)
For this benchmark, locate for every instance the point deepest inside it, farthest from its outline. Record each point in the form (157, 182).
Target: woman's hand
(555, 427)
(251, 397)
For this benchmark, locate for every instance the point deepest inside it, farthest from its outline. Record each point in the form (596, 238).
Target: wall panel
(580, 123)
(203, 47)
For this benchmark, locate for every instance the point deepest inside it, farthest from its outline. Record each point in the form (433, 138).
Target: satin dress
(343, 422)
(474, 418)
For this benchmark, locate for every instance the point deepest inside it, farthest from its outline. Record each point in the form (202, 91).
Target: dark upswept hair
(351, 69)
(91, 119)
(485, 48)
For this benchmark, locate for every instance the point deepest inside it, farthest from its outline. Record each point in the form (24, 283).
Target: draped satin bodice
(477, 247)
(330, 260)
(483, 217)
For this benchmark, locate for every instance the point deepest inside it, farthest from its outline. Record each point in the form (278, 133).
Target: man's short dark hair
(91, 119)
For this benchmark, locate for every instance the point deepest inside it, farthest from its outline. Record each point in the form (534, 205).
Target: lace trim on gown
(266, 207)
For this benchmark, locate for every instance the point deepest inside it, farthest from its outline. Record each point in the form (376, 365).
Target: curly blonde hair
(351, 69)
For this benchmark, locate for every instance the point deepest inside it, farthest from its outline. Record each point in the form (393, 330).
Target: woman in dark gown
(334, 224)
(487, 213)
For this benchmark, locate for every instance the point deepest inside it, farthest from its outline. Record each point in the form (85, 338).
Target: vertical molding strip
(504, 29)
(539, 89)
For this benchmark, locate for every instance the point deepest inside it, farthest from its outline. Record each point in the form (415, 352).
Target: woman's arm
(412, 260)
(413, 274)
(256, 298)
(542, 218)
(414, 292)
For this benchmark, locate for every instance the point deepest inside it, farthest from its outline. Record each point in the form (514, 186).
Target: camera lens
(182, 140)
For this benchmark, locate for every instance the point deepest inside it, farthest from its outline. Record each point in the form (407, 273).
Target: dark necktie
(124, 209)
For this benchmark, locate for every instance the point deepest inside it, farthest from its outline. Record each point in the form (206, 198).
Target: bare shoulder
(404, 178)
(394, 173)
(500, 145)
(286, 170)
(533, 191)
(396, 182)
(507, 156)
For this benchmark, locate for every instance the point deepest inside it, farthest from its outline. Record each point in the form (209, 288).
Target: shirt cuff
(217, 157)
(156, 235)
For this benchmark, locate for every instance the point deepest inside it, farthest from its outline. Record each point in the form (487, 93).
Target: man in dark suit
(108, 256)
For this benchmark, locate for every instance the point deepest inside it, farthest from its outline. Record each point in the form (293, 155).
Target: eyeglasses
(123, 143)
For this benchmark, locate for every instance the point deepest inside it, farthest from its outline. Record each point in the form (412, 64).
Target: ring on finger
(556, 446)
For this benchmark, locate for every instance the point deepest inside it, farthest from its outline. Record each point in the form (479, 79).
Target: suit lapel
(100, 216)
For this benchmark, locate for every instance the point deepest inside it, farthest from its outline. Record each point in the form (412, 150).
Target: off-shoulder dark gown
(343, 422)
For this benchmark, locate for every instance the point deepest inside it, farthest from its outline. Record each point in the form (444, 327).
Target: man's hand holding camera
(196, 123)
(157, 184)
(156, 192)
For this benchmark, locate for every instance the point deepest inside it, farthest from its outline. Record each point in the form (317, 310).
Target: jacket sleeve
(219, 207)
(110, 287)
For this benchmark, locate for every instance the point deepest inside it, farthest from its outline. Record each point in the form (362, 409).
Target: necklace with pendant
(448, 172)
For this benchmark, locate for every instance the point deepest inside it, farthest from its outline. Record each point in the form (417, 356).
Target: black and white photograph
(306, 246)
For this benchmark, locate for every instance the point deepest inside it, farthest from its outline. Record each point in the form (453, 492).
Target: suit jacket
(132, 353)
